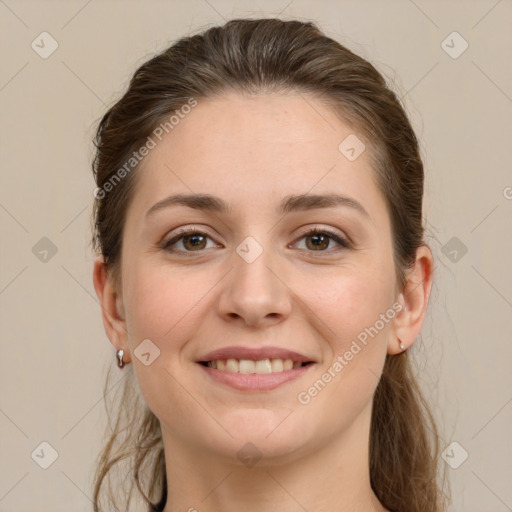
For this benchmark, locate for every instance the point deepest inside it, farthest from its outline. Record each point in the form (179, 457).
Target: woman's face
(252, 284)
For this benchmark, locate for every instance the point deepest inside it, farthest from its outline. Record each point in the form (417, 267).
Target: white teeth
(232, 365)
(277, 365)
(263, 366)
(248, 366)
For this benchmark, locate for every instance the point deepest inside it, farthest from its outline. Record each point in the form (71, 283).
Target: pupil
(318, 240)
(195, 240)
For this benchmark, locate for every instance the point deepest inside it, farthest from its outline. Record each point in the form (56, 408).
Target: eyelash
(344, 243)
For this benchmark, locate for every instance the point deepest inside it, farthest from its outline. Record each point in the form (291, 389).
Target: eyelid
(324, 229)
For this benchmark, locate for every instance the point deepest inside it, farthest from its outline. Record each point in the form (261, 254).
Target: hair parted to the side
(271, 55)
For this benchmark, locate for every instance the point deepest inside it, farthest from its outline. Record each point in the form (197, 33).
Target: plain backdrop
(54, 352)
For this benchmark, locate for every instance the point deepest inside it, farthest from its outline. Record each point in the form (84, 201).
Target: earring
(402, 347)
(120, 354)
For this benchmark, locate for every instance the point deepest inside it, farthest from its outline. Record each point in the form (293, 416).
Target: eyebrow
(291, 203)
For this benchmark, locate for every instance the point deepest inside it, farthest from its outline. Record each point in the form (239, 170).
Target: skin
(252, 152)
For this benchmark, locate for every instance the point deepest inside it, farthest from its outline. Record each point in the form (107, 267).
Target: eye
(191, 240)
(321, 238)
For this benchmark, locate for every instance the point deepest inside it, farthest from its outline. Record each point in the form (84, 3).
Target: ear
(111, 307)
(414, 300)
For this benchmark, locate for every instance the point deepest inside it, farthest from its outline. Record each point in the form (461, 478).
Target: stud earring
(120, 354)
(402, 347)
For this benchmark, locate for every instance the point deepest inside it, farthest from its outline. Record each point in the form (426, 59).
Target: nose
(255, 292)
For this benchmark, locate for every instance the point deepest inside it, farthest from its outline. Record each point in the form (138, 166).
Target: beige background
(54, 351)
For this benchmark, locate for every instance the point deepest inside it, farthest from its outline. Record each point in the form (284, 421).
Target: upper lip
(255, 354)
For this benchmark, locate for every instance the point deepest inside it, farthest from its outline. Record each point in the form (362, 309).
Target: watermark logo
(454, 455)
(44, 250)
(146, 352)
(249, 455)
(249, 249)
(44, 455)
(454, 250)
(454, 45)
(44, 45)
(351, 147)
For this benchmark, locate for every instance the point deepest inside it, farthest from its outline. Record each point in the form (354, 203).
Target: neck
(333, 476)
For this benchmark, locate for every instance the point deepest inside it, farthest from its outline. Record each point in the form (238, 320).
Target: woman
(262, 273)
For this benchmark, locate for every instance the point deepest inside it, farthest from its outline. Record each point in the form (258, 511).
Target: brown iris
(197, 240)
(320, 241)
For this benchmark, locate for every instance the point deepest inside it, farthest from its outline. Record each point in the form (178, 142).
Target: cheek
(353, 303)
(164, 306)
(355, 313)
(160, 300)
(355, 352)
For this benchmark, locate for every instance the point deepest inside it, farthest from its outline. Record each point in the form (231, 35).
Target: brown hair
(272, 55)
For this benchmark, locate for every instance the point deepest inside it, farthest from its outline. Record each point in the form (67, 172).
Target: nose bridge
(255, 291)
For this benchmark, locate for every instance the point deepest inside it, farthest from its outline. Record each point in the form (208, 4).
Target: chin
(272, 437)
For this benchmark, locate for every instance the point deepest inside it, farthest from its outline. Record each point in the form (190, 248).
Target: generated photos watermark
(342, 360)
(151, 142)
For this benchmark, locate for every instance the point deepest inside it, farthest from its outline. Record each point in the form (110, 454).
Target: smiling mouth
(249, 366)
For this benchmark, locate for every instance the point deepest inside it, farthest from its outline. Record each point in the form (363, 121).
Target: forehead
(294, 125)
(257, 148)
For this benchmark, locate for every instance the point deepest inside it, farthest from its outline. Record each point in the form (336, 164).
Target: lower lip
(255, 381)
